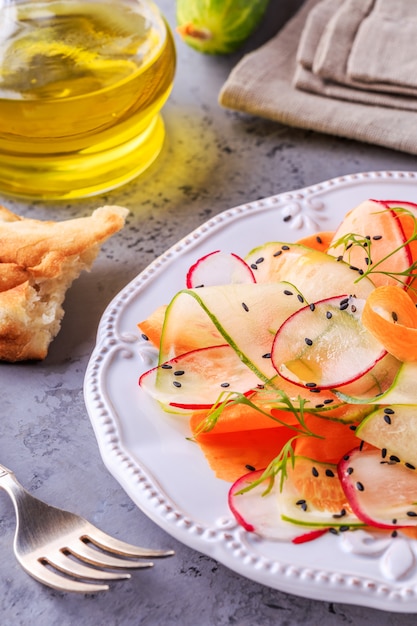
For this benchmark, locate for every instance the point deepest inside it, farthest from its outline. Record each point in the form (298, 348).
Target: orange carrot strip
(338, 438)
(230, 454)
(240, 417)
(318, 241)
(152, 326)
(391, 316)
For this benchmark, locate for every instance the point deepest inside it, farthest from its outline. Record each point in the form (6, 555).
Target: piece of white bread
(38, 262)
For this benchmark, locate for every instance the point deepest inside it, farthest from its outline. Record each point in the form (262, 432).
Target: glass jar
(82, 83)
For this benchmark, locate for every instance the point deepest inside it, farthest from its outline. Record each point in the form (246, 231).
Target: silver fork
(60, 549)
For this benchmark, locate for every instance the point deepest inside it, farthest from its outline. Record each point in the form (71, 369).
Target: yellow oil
(81, 88)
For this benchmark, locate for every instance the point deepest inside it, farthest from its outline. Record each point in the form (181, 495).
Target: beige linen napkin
(323, 55)
(384, 49)
(261, 84)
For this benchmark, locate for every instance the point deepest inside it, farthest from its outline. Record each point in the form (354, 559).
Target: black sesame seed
(410, 466)
(300, 297)
(260, 260)
(254, 266)
(166, 366)
(359, 486)
(179, 373)
(394, 316)
(333, 531)
(377, 237)
(360, 271)
(389, 411)
(314, 390)
(311, 384)
(199, 286)
(250, 468)
(319, 406)
(314, 471)
(299, 502)
(329, 473)
(384, 453)
(267, 355)
(352, 427)
(312, 307)
(245, 307)
(287, 218)
(287, 292)
(285, 247)
(352, 267)
(387, 419)
(349, 471)
(277, 253)
(145, 337)
(394, 458)
(225, 385)
(343, 529)
(411, 514)
(308, 341)
(339, 258)
(394, 533)
(328, 401)
(176, 383)
(319, 239)
(329, 315)
(362, 443)
(394, 521)
(344, 305)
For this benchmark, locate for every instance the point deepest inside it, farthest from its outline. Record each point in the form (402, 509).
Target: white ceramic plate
(167, 476)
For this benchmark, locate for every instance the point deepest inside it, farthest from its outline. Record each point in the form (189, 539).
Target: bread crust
(38, 262)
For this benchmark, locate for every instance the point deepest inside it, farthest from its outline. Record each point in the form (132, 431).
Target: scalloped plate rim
(303, 210)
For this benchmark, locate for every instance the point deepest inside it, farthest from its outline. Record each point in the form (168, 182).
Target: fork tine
(50, 578)
(111, 544)
(84, 552)
(63, 563)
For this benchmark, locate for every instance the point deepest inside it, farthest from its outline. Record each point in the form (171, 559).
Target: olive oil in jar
(81, 88)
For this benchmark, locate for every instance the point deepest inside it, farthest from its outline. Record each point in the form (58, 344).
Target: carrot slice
(338, 438)
(241, 417)
(319, 241)
(391, 316)
(152, 326)
(230, 455)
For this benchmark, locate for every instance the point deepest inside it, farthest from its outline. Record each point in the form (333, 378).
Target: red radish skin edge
(343, 463)
(333, 385)
(189, 280)
(310, 536)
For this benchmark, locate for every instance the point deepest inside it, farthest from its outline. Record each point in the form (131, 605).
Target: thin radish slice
(196, 379)
(311, 497)
(258, 513)
(325, 345)
(371, 238)
(381, 491)
(219, 268)
(392, 428)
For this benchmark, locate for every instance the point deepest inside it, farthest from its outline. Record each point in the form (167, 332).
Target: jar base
(84, 174)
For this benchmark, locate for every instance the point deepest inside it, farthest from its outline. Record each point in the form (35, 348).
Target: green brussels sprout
(218, 26)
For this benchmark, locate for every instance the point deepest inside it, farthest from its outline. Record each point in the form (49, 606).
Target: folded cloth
(313, 30)
(384, 49)
(330, 58)
(323, 54)
(352, 49)
(262, 84)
